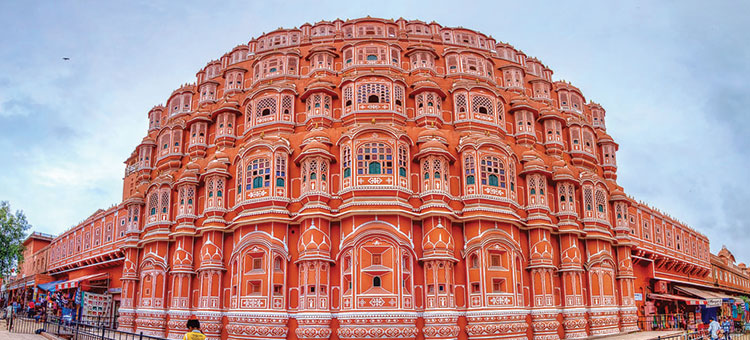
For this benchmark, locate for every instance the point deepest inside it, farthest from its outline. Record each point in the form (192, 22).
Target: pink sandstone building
(380, 179)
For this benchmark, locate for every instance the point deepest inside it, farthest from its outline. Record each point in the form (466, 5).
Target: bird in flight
(66, 58)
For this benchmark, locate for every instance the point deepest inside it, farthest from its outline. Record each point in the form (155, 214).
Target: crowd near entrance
(680, 307)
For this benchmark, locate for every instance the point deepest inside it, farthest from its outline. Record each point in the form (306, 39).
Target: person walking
(713, 329)
(727, 328)
(9, 315)
(194, 331)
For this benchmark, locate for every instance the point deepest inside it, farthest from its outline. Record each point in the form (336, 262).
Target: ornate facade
(380, 179)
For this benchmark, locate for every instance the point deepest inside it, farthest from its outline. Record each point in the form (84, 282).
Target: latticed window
(373, 93)
(190, 197)
(239, 177)
(373, 54)
(398, 93)
(348, 96)
(266, 107)
(588, 198)
(565, 191)
(601, 202)
(461, 103)
(280, 171)
(525, 122)
(554, 129)
(469, 170)
(258, 174)
(403, 160)
(482, 105)
(164, 201)
(374, 159)
(286, 104)
(318, 104)
(451, 63)
(512, 175)
(347, 163)
(153, 202)
(292, 65)
(576, 102)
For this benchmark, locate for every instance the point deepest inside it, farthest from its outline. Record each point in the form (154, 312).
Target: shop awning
(712, 299)
(50, 286)
(77, 281)
(689, 301)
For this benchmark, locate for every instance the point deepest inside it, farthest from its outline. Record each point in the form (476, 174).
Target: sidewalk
(4, 334)
(646, 335)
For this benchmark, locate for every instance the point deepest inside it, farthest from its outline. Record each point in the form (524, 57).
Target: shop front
(83, 299)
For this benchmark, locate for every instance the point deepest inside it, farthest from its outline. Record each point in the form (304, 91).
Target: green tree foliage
(13, 227)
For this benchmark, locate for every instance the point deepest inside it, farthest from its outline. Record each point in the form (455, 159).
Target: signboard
(114, 290)
(710, 303)
(96, 305)
(638, 296)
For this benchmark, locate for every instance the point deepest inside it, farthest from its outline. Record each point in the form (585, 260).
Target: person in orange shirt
(194, 331)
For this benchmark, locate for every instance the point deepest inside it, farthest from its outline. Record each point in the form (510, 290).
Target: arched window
(493, 171)
(372, 57)
(469, 169)
(460, 101)
(474, 260)
(482, 105)
(258, 174)
(373, 93)
(374, 168)
(493, 180)
(402, 160)
(280, 171)
(376, 281)
(347, 163)
(374, 159)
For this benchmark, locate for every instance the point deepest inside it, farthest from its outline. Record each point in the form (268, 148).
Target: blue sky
(672, 76)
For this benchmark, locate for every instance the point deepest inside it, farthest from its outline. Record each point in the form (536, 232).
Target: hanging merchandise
(96, 305)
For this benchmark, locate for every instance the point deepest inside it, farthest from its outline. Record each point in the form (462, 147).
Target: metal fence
(703, 335)
(72, 330)
(662, 322)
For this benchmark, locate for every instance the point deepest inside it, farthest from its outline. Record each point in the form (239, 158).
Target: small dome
(137, 194)
(603, 136)
(189, 174)
(316, 134)
(535, 162)
(433, 144)
(193, 166)
(438, 239)
(564, 171)
(216, 165)
(529, 155)
(430, 134)
(617, 192)
(220, 154)
(315, 144)
(314, 240)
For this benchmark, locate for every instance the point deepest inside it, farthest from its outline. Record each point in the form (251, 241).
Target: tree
(13, 227)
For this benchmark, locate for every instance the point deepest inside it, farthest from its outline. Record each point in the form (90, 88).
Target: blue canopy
(50, 286)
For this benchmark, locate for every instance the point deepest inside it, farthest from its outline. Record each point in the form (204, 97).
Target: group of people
(720, 331)
(56, 304)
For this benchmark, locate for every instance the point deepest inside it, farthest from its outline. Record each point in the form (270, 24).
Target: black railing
(72, 330)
